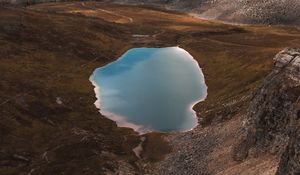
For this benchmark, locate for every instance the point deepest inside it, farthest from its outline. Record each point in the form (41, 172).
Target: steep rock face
(273, 123)
(290, 163)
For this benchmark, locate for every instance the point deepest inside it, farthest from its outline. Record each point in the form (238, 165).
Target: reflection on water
(151, 89)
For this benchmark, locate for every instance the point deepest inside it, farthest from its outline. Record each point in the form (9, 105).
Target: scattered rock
(59, 101)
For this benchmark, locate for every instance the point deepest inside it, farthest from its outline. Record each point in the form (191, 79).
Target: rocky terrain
(237, 11)
(273, 118)
(49, 124)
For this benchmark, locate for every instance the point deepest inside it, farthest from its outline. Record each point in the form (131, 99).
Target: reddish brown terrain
(48, 121)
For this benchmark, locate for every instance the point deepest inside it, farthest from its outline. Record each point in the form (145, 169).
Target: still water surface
(151, 89)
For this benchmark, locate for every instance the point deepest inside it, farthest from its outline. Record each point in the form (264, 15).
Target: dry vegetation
(48, 51)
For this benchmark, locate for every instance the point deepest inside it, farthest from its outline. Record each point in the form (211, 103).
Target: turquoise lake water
(151, 89)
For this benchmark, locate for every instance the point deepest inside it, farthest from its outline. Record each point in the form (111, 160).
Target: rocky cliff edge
(273, 119)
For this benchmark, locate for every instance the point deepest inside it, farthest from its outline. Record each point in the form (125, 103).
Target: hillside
(237, 11)
(273, 12)
(50, 125)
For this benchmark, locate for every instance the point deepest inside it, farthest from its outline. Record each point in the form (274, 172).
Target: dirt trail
(130, 20)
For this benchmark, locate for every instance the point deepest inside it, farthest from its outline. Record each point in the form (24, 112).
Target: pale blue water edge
(151, 89)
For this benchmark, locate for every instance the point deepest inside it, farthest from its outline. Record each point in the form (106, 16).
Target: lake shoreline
(116, 85)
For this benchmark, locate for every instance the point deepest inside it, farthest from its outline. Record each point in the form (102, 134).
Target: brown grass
(48, 51)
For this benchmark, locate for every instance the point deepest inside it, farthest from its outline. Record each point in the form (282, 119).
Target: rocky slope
(273, 125)
(240, 11)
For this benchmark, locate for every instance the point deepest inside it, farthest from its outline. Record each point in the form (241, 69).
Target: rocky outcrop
(272, 125)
